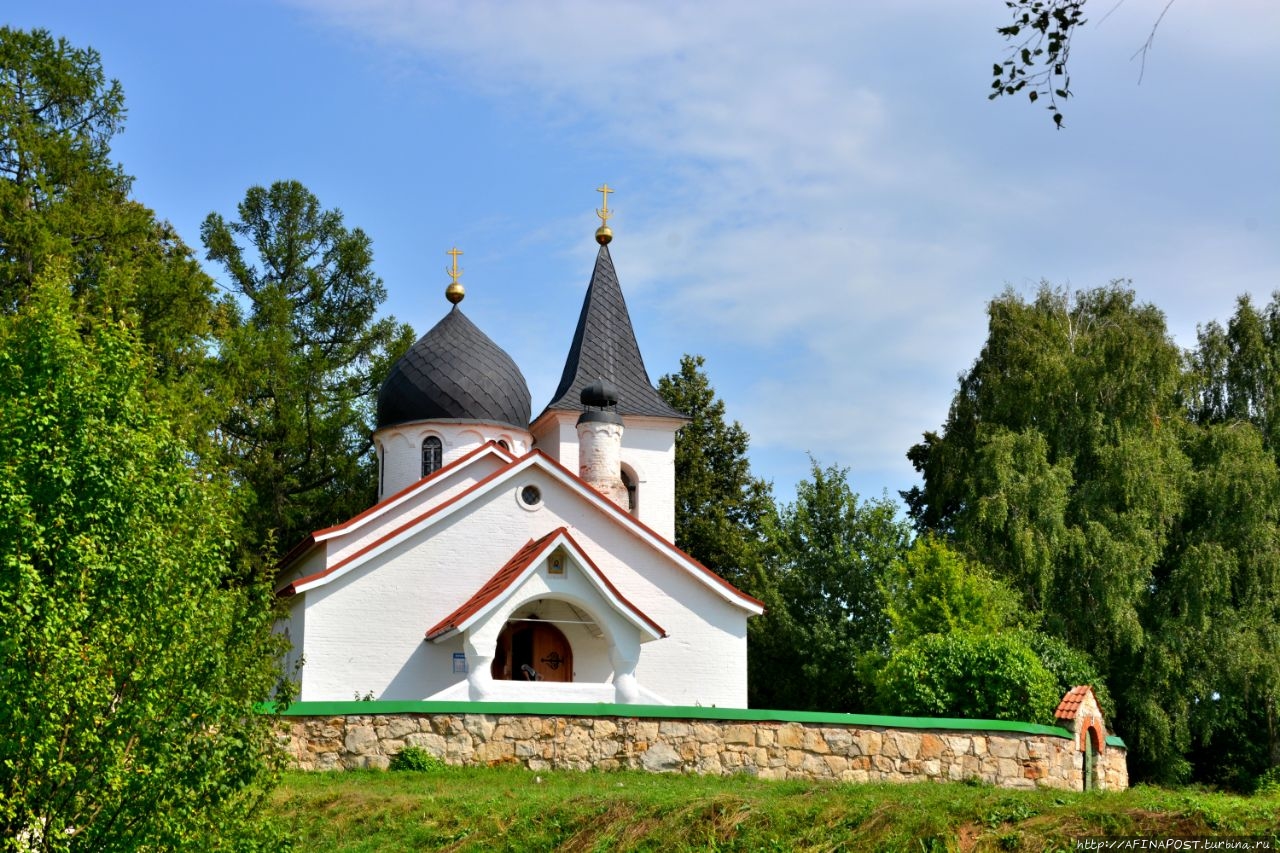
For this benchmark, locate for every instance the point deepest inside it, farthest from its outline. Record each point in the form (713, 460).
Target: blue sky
(817, 196)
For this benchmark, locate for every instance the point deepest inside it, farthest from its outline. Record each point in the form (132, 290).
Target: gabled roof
(498, 479)
(520, 566)
(1070, 704)
(604, 347)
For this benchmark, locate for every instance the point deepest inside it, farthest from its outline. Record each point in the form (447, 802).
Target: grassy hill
(513, 809)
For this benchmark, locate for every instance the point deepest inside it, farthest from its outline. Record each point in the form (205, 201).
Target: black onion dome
(455, 372)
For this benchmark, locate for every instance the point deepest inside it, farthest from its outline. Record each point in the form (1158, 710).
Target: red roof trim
(586, 558)
(300, 549)
(292, 588)
(493, 587)
(627, 517)
(530, 553)
(599, 500)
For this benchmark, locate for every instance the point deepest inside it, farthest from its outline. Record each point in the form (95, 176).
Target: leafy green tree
(303, 361)
(968, 675)
(933, 589)
(824, 561)
(129, 671)
(1235, 371)
(1211, 673)
(1060, 463)
(1072, 465)
(720, 506)
(57, 116)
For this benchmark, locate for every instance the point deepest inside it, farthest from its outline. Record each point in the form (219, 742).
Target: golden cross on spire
(455, 291)
(454, 273)
(604, 213)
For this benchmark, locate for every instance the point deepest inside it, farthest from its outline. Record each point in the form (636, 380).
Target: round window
(531, 495)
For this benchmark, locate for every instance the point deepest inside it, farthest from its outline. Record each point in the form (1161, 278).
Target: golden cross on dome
(604, 213)
(455, 272)
(455, 291)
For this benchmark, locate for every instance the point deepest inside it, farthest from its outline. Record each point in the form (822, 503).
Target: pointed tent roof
(604, 347)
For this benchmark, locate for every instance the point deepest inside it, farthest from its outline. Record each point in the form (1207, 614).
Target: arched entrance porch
(532, 650)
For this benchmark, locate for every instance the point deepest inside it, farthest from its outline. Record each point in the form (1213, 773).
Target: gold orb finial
(455, 291)
(604, 234)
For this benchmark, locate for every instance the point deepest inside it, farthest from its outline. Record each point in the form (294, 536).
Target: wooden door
(539, 646)
(552, 656)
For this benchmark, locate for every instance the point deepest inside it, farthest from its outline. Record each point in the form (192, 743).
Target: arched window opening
(502, 442)
(382, 471)
(629, 480)
(432, 453)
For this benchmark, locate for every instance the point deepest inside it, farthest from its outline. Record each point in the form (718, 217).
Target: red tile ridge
(1071, 702)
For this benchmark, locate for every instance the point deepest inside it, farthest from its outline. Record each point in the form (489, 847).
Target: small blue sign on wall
(459, 661)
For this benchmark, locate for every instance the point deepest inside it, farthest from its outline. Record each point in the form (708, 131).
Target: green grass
(505, 808)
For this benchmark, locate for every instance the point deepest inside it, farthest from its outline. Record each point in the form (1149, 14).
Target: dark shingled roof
(455, 372)
(604, 347)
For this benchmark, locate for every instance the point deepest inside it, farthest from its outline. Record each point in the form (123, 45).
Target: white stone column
(624, 657)
(479, 663)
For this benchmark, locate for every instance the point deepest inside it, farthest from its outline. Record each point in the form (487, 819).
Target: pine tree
(302, 362)
(720, 506)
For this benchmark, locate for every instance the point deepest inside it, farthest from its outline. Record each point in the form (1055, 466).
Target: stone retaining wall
(767, 749)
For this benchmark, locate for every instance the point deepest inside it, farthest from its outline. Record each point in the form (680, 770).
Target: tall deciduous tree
(1070, 466)
(1060, 465)
(302, 362)
(827, 555)
(1235, 370)
(720, 506)
(129, 671)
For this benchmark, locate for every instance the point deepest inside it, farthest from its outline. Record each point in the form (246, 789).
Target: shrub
(983, 676)
(1268, 784)
(935, 590)
(1071, 667)
(415, 758)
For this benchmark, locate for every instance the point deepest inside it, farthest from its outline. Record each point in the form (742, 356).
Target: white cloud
(813, 210)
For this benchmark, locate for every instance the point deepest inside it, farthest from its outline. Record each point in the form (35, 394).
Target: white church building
(514, 558)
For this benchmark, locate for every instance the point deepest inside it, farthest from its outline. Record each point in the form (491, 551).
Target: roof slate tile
(604, 347)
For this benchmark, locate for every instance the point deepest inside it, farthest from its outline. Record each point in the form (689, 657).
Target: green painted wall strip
(666, 712)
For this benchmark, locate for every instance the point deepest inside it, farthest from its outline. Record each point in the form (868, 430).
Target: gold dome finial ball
(603, 235)
(454, 292)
